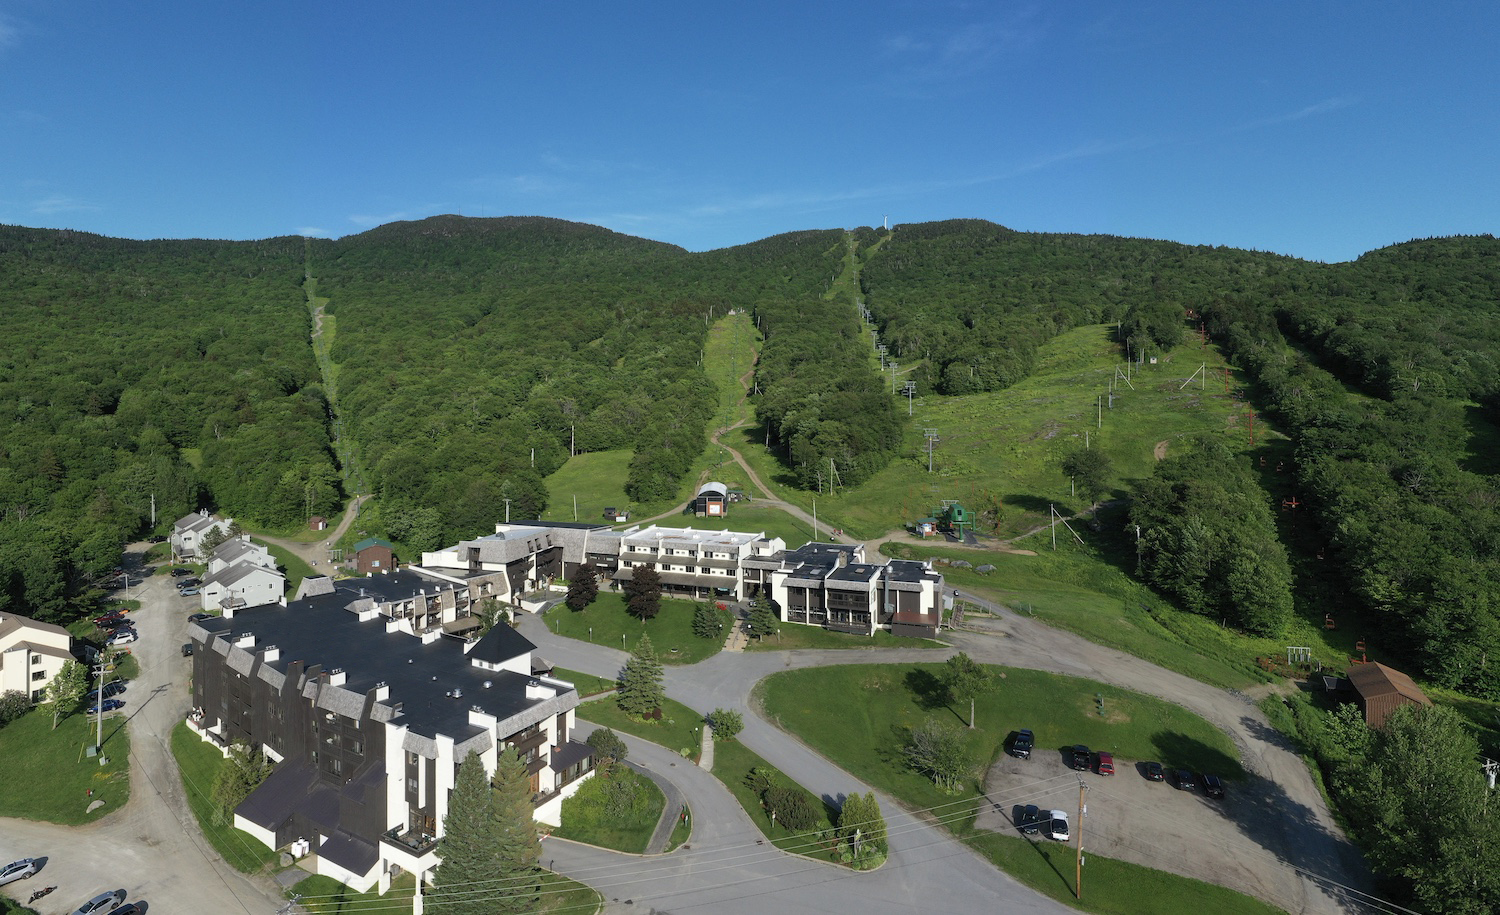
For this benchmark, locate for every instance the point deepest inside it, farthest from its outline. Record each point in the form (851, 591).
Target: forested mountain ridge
(476, 354)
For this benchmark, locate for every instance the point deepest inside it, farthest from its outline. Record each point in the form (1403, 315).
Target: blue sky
(1319, 129)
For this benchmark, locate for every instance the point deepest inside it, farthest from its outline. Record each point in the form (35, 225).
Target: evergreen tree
(863, 827)
(764, 619)
(608, 748)
(489, 839)
(641, 691)
(706, 622)
(583, 589)
(643, 593)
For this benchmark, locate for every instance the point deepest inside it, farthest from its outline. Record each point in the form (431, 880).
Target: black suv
(1082, 758)
(1213, 786)
(1020, 748)
(1031, 820)
(1185, 780)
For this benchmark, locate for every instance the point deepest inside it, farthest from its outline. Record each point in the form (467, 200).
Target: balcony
(418, 843)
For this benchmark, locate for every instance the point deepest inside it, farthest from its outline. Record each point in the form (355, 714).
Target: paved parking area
(1155, 824)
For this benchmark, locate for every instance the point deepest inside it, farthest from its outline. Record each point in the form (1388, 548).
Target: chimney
(270, 654)
(382, 691)
(245, 640)
(336, 677)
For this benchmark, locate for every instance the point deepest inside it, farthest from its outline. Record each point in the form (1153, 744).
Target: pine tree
(764, 619)
(641, 691)
(583, 589)
(862, 825)
(489, 839)
(706, 622)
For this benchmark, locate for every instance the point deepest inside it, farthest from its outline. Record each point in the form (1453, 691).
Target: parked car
(110, 705)
(197, 617)
(108, 618)
(1106, 763)
(187, 650)
(123, 637)
(1057, 827)
(129, 908)
(17, 870)
(1185, 780)
(189, 583)
(181, 571)
(112, 688)
(1155, 773)
(115, 625)
(190, 592)
(1021, 746)
(1031, 820)
(104, 902)
(1213, 786)
(1082, 758)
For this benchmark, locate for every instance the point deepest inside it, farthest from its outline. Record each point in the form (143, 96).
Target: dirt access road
(151, 847)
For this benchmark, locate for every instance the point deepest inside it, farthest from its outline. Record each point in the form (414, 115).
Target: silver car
(101, 903)
(16, 870)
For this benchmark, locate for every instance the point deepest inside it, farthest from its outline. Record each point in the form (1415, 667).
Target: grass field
(680, 728)
(1109, 886)
(294, 567)
(793, 636)
(587, 684)
(866, 738)
(327, 896)
(597, 479)
(605, 622)
(732, 764)
(199, 764)
(584, 818)
(48, 775)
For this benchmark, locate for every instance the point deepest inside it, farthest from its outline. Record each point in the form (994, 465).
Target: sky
(1318, 129)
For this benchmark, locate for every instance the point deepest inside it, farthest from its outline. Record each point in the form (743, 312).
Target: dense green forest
(121, 360)
(475, 355)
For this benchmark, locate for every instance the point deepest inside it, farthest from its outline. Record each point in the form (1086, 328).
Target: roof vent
(487, 684)
(458, 693)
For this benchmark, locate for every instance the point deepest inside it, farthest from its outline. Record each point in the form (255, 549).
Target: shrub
(726, 723)
(13, 704)
(793, 807)
(608, 747)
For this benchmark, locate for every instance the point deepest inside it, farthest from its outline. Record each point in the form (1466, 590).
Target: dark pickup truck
(1020, 748)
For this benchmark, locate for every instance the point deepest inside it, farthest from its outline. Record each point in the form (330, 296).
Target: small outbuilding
(317, 523)
(373, 555)
(712, 500)
(1381, 690)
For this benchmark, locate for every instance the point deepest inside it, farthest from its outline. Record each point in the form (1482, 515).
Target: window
(38, 675)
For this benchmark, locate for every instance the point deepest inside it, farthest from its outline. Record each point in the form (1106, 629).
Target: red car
(1106, 764)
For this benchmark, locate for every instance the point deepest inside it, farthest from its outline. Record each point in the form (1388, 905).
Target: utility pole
(507, 511)
(894, 366)
(575, 507)
(908, 390)
(1083, 811)
(932, 438)
(815, 517)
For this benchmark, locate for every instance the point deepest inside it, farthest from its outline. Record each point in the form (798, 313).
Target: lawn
(732, 764)
(680, 728)
(587, 684)
(605, 622)
(585, 817)
(199, 764)
(292, 565)
(596, 479)
(866, 738)
(49, 776)
(326, 896)
(1110, 886)
(792, 636)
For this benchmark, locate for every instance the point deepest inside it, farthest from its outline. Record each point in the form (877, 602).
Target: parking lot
(151, 847)
(1155, 824)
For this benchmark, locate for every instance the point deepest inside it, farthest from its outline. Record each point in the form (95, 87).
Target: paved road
(151, 847)
(1280, 811)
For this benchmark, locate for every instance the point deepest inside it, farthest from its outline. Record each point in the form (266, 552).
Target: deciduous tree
(66, 690)
(937, 750)
(643, 592)
(966, 679)
(583, 588)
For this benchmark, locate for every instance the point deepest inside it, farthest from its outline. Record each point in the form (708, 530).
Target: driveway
(1277, 840)
(151, 847)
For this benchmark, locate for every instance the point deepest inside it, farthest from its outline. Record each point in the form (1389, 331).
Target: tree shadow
(930, 692)
(1027, 502)
(1179, 751)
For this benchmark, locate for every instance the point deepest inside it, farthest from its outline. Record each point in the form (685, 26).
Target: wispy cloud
(60, 203)
(10, 34)
(371, 220)
(1323, 107)
(919, 59)
(312, 232)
